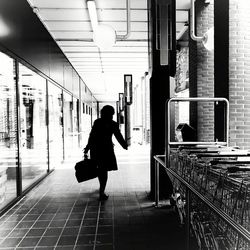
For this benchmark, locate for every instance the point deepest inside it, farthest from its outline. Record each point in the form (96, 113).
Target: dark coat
(100, 143)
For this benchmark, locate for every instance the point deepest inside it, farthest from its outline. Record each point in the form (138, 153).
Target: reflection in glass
(68, 124)
(34, 151)
(55, 126)
(8, 131)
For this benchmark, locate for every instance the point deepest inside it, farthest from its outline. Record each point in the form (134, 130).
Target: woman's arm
(119, 137)
(90, 139)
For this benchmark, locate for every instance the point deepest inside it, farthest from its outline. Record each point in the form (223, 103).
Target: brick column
(239, 73)
(201, 69)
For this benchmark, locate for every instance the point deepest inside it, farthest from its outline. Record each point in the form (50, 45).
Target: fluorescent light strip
(92, 14)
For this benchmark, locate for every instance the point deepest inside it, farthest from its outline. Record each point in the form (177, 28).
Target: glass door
(34, 144)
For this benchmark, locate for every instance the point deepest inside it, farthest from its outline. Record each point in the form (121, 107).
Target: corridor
(62, 214)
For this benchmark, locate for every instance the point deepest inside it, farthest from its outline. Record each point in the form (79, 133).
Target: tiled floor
(62, 214)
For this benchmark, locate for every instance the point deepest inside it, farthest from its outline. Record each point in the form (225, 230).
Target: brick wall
(201, 65)
(239, 73)
(202, 74)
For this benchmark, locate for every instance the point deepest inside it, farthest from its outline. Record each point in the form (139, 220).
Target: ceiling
(103, 71)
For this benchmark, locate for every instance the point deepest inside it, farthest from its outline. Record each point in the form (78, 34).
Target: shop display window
(39, 128)
(8, 131)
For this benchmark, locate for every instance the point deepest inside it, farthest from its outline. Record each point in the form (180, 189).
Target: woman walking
(102, 148)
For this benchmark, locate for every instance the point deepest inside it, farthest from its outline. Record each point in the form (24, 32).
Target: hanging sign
(128, 89)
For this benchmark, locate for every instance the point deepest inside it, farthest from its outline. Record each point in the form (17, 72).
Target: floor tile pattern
(63, 214)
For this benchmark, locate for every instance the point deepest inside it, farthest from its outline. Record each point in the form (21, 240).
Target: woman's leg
(103, 177)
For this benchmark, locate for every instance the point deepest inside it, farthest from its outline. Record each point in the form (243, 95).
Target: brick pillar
(201, 68)
(239, 73)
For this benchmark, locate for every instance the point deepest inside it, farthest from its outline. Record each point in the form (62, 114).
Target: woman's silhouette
(101, 146)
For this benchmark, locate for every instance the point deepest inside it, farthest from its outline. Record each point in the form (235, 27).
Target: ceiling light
(104, 36)
(4, 30)
(92, 14)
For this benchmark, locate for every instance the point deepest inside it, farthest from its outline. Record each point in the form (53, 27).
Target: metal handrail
(198, 99)
(231, 222)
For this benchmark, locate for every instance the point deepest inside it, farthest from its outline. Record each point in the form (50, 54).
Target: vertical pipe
(126, 36)
(192, 20)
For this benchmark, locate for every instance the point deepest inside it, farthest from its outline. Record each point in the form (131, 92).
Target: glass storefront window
(34, 149)
(8, 131)
(28, 141)
(55, 126)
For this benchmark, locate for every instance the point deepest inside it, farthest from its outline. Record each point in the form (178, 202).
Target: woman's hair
(107, 111)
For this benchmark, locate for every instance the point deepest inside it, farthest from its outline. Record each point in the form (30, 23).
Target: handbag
(86, 170)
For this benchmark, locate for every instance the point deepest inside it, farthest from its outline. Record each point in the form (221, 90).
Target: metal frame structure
(170, 143)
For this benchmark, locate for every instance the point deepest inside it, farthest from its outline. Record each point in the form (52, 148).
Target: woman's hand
(85, 151)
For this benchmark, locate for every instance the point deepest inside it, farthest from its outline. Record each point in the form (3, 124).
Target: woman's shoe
(103, 197)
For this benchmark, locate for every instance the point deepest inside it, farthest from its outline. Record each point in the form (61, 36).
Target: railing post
(187, 224)
(156, 183)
